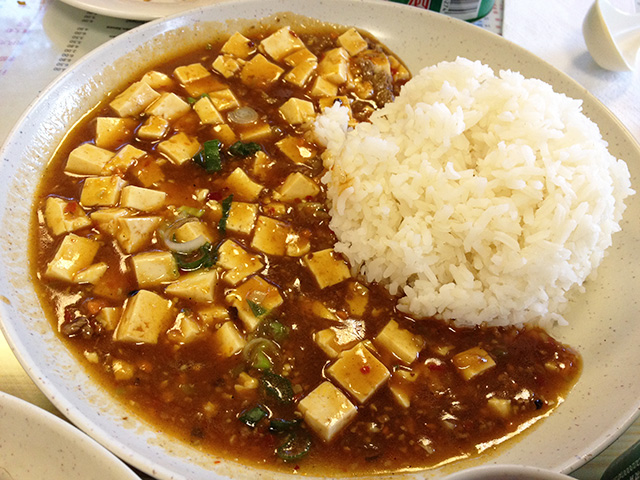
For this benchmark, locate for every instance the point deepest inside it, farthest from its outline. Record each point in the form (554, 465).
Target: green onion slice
(240, 149)
(277, 387)
(226, 208)
(253, 416)
(209, 157)
(296, 446)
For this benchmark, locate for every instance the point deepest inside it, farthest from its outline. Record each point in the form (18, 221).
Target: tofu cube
(296, 149)
(73, 254)
(242, 217)
(256, 132)
(105, 219)
(298, 244)
(281, 43)
(260, 72)
(224, 133)
(327, 411)
(109, 317)
(192, 230)
(122, 160)
(271, 236)
(472, 362)
(224, 100)
(401, 386)
(239, 46)
(157, 80)
(357, 297)
(168, 106)
(111, 132)
(190, 73)
(143, 199)
(334, 66)
(398, 70)
(212, 314)
(359, 372)
(378, 60)
(146, 315)
(207, 112)
(92, 274)
(154, 128)
(101, 191)
(335, 340)
(154, 268)
(297, 111)
(87, 159)
(179, 148)
(300, 74)
(258, 291)
(500, 406)
(64, 217)
(227, 340)
(149, 171)
(302, 55)
(237, 262)
(242, 186)
(135, 233)
(134, 100)
(322, 87)
(205, 85)
(185, 329)
(327, 267)
(227, 65)
(198, 286)
(401, 343)
(297, 186)
(352, 42)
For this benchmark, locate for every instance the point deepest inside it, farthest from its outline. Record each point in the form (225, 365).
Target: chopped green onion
(204, 95)
(191, 100)
(191, 211)
(240, 149)
(226, 208)
(261, 361)
(257, 309)
(278, 331)
(277, 387)
(208, 256)
(209, 157)
(296, 446)
(279, 425)
(253, 416)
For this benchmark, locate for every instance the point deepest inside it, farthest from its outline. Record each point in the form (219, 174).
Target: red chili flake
(71, 207)
(365, 369)
(308, 198)
(297, 467)
(436, 367)
(217, 196)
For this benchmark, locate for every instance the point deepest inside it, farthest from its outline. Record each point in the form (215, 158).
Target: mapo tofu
(182, 247)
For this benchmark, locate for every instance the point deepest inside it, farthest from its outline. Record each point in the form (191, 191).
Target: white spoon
(612, 36)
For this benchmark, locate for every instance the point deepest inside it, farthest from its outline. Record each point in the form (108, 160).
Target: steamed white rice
(478, 198)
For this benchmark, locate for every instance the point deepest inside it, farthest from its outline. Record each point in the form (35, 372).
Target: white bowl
(37, 444)
(604, 326)
(506, 472)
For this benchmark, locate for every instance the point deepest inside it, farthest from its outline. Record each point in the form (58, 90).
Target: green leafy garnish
(207, 256)
(209, 157)
(295, 447)
(226, 208)
(257, 309)
(279, 425)
(240, 149)
(253, 416)
(277, 387)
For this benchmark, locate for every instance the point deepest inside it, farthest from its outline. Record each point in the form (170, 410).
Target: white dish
(37, 444)
(604, 325)
(138, 9)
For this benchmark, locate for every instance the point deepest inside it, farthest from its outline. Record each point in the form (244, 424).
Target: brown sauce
(422, 414)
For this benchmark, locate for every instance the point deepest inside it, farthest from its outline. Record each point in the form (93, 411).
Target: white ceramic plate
(604, 326)
(138, 9)
(36, 444)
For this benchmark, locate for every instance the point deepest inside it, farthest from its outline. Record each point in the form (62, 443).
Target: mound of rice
(478, 198)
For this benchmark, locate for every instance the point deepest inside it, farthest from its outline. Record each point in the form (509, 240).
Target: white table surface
(45, 36)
